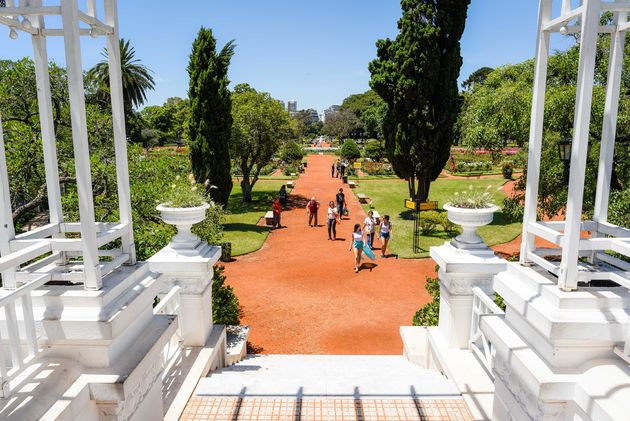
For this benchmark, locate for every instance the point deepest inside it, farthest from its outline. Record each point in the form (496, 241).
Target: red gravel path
(299, 292)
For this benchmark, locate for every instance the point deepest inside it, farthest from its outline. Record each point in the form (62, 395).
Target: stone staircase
(326, 387)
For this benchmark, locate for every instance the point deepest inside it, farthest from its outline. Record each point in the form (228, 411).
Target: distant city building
(333, 109)
(313, 114)
(292, 107)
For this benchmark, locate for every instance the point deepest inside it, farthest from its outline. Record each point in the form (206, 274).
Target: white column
(120, 134)
(609, 127)
(72, 44)
(567, 279)
(7, 230)
(40, 58)
(536, 129)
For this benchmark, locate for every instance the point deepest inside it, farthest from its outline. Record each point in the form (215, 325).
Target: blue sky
(315, 52)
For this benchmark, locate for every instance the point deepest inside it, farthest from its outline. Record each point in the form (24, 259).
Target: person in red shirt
(311, 210)
(277, 211)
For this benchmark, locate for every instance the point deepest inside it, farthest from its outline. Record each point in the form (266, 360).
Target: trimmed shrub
(374, 150)
(291, 152)
(447, 225)
(429, 221)
(350, 150)
(225, 306)
(429, 314)
(507, 169)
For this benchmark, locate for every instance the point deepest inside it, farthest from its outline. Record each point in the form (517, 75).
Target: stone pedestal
(193, 273)
(554, 349)
(460, 271)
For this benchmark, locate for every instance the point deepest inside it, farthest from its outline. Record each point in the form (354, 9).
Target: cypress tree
(416, 75)
(210, 120)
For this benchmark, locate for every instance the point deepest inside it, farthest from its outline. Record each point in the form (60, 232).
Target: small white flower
(206, 183)
(194, 189)
(177, 177)
(174, 186)
(191, 178)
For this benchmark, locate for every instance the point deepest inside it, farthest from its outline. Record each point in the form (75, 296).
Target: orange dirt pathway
(299, 292)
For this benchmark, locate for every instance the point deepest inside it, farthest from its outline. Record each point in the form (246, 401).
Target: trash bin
(226, 252)
(345, 179)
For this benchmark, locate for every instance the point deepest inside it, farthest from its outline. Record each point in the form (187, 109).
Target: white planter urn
(183, 219)
(470, 220)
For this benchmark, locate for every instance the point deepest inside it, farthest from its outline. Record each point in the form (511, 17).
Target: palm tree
(136, 77)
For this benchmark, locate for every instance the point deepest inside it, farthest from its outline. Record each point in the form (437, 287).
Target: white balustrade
(479, 344)
(18, 347)
(169, 304)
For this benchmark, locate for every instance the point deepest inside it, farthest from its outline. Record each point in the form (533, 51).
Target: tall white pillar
(7, 230)
(72, 44)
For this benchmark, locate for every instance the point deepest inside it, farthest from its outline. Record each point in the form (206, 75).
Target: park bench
(377, 216)
(293, 174)
(269, 218)
(477, 174)
(352, 184)
(363, 198)
(290, 184)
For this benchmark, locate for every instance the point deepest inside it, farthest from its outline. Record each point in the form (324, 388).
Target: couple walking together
(336, 209)
(363, 238)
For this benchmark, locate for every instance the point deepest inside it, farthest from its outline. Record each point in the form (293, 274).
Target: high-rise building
(292, 106)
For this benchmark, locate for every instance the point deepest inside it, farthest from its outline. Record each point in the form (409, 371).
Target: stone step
(364, 376)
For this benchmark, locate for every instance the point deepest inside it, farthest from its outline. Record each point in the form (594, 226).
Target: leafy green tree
(350, 150)
(374, 150)
(416, 75)
(260, 126)
(370, 109)
(306, 124)
(341, 124)
(291, 151)
(210, 119)
(476, 78)
(136, 77)
(168, 120)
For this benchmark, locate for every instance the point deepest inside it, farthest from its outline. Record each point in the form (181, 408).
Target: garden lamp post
(564, 150)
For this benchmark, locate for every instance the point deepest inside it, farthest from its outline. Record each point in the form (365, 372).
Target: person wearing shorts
(385, 229)
(369, 226)
(357, 246)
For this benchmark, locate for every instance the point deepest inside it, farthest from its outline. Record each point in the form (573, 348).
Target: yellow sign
(357, 165)
(410, 204)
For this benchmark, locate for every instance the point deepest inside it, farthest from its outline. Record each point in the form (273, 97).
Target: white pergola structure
(582, 19)
(61, 257)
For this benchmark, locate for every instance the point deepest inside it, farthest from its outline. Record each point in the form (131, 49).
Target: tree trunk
(246, 186)
(411, 184)
(424, 184)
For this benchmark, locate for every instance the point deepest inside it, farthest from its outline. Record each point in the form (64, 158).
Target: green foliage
(619, 207)
(210, 119)
(473, 166)
(225, 305)
(428, 221)
(291, 152)
(350, 150)
(507, 168)
(167, 121)
(476, 78)
(513, 209)
(374, 150)
(448, 227)
(370, 109)
(341, 124)
(305, 124)
(416, 75)
(260, 126)
(291, 169)
(429, 314)
(184, 193)
(472, 199)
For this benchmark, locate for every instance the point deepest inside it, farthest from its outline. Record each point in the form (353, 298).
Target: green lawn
(388, 198)
(240, 224)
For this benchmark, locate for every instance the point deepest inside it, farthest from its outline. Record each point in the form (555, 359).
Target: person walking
(332, 170)
(385, 229)
(311, 210)
(282, 195)
(357, 246)
(369, 226)
(277, 211)
(333, 215)
(338, 169)
(340, 198)
(343, 169)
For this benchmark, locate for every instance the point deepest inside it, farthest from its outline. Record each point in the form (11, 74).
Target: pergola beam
(567, 277)
(536, 130)
(30, 11)
(555, 24)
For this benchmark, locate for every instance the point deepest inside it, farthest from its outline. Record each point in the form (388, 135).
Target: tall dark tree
(210, 118)
(476, 78)
(416, 75)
